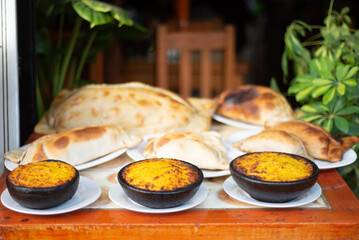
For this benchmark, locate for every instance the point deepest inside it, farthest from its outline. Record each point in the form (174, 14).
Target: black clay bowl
(274, 191)
(42, 194)
(170, 195)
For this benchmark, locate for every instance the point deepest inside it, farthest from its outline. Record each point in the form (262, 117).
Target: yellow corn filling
(273, 167)
(42, 174)
(160, 175)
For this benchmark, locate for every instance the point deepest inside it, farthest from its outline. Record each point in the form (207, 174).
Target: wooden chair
(204, 42)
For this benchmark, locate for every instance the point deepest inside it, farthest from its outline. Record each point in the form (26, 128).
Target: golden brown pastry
(205, 150)
(253, 104)
(272, 141)
(137, 108)
(318, 142)
(76, 146)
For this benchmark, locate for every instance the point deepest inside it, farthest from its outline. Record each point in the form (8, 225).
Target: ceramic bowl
(32, 195)
(274, 191)
(166, 198)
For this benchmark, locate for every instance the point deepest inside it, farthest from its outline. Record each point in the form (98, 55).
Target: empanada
(135, 107)
(76, 146)
(205, 150)
(317, 141)
(272, 141)
(254, 104)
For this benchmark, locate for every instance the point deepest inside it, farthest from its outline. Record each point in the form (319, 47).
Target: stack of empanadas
(75, 146)
(205, 150)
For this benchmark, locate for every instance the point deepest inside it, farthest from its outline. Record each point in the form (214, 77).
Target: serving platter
(119, 197)
(88, 192)
(136, 154)
(235, 123)
(349, 156)
(233, 190)
(11, 165)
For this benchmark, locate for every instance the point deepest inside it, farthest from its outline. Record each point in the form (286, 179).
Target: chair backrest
(205, 43)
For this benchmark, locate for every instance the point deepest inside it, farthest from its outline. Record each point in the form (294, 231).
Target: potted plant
(326, 77)
(69, 34)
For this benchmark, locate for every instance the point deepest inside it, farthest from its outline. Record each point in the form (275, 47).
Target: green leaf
(319, 51)
(315, 66)
(298, 87)
(89, 11)
(352, 72)
(341, 123)
(310, 118)
(328, 63)
(284, 64)
(319, 121)
(341, 89)
(297, 46)
(348, 110)
(345, 10)
(353, 129)
(339, 104)
(305, 25)
(322, 81)
(100, 13)
(322, 67)
(301, 63)
(309, 108)
(304, 78)
(315, 108)
(341, 71)
(121, 16)
(304, 93)
(328, 125)
(338, 52)
(350, 82)
(329, 96)
(288, 46)
(320, 91)
(349, 59)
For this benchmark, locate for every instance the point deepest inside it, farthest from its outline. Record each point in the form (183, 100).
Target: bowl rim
(313, 176)
(75, 179)
(198, 182)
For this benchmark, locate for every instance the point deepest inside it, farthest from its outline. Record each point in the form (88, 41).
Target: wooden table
(339, 221)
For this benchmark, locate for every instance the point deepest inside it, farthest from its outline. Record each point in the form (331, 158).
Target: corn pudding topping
(273, 167)
(160, 175)
(42, 174)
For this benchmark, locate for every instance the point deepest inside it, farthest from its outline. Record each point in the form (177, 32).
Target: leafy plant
(65, 42)
(326, 76)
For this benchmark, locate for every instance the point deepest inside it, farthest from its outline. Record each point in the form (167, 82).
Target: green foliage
(65, 43)
(326, 76)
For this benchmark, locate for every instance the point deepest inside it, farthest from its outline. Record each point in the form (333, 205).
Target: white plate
(235, 123)
(119, 197)
(136, 154)
(11, 165)
(233, 190)
(348, 157)
(87, 192)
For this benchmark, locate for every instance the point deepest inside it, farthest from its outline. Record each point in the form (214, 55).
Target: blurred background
(130, 55)
(123, 54)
